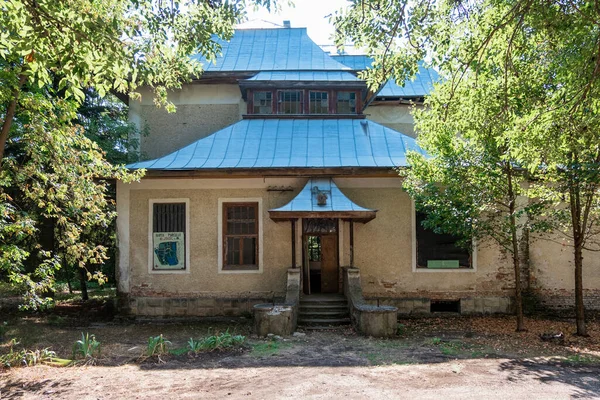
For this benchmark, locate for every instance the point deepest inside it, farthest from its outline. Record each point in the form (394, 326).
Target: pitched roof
(278, 49)
(293, 143)
(337, 76)
(420, 86)
(336, 204)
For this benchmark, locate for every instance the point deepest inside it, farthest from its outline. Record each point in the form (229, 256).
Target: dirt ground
(452, 357)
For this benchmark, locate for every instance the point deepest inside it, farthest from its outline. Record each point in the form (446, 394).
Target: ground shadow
(18, 388)
(584, 378)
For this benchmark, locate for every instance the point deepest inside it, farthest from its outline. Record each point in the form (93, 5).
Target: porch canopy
(321, 198)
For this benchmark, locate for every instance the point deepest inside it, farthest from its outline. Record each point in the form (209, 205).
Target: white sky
(310, 14)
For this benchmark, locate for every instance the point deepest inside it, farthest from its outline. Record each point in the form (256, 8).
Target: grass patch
(221, 341)
(269, 348)
(582, 359)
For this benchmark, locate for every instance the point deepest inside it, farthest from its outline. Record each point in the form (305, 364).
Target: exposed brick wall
(561, 299)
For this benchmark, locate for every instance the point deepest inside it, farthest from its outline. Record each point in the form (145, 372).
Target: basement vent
(446, 306)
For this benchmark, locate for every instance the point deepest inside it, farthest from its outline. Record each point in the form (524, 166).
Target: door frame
(305, 260)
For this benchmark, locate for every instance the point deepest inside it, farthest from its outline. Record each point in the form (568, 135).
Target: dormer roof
(419, 87)
(279, 49)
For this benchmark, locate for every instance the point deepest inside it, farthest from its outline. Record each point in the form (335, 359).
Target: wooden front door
(329, 264)
(321, 273)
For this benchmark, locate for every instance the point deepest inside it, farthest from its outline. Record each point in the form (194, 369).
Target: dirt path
(466, 379)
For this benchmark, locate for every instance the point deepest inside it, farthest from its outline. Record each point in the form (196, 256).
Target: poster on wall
(169, 250)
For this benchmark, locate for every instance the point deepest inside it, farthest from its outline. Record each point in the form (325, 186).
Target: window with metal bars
(318, 102)
(346, 102)
(240, 236)
(168, 236)
(289, 102)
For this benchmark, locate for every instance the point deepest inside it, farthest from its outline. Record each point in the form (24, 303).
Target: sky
(310, 14)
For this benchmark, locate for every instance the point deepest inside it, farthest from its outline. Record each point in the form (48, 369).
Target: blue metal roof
(300, 143)
(419, 87)
(277, 49)
(357, 62)
(335, 76)
(307, 200)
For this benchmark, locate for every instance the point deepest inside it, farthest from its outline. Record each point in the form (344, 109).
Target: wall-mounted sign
(169, 250)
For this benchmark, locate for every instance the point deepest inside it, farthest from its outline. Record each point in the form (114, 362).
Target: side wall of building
(202, 109)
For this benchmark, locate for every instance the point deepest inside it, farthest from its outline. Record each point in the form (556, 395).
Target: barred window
(240, 236)
(168, 236)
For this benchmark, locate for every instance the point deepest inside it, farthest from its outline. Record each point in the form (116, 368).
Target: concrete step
(323, 321)
(322, 298)
(323, 314)
(318, 306)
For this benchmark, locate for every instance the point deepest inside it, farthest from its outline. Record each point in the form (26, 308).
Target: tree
(110, 45)
(546, 57)
(51, 54)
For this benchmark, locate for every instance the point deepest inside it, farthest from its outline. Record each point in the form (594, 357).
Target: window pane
(249, 256)
(346, 102)
(263, 103)
(240, 241)
(433, 246)
(290, 102)
(319, 103)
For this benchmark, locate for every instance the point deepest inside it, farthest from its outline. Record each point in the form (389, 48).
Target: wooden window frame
(222, 218)
(301, 101)
(251, 102)
(309, 102)
(151, 269)
(304, 102)
(357, 102)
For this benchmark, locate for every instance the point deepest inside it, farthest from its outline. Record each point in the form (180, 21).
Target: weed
(57, 320)
(28, 358)
(268, 348)
(87, 347)
(582, 359)
(436, 341)
(179, 351)
(216, 342)
(157, 345)
(401, 329)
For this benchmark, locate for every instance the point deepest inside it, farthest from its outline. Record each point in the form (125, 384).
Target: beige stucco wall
(395, 116)
(553, 272)
(202, 109)
(384, 248)
(204, 277)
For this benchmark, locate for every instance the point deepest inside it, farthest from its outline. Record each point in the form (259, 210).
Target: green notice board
(442, 264)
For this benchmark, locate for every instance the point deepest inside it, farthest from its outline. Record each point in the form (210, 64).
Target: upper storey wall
(202, 109)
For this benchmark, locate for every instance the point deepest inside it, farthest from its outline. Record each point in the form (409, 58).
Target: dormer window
(318, 102)
(263, 103)
(289, 102)
(346, 102)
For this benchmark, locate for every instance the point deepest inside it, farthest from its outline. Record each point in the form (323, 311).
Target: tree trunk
(515, 245)
(83, 282)
(579, 306)
(10, 115)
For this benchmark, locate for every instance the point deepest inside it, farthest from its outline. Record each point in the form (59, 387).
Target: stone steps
(323, 312)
